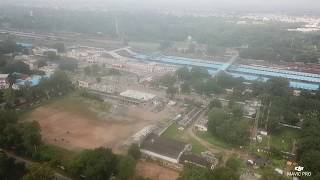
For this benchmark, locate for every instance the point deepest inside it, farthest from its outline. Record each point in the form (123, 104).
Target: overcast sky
(206, 4)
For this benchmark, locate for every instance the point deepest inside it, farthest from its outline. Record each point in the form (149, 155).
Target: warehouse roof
(163, 146)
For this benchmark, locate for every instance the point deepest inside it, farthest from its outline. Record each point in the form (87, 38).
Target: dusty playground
(154, 171)
(75, 125)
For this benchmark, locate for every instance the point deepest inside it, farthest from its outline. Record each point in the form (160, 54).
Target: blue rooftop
(298, 80)
(34, 80)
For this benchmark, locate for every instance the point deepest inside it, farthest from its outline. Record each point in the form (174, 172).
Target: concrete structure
(137, 95)
(4, 81)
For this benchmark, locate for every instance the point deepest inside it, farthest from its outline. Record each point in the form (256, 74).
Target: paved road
(29, 163)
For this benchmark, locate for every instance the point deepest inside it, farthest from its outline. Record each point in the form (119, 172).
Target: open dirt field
(71, 124)
(155, 172)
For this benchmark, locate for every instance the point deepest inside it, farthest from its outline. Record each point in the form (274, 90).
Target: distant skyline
(231, 5)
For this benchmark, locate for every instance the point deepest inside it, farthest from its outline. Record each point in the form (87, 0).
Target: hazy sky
(207, 4)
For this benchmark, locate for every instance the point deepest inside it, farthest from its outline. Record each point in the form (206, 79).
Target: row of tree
(198, 80)
(279, 105)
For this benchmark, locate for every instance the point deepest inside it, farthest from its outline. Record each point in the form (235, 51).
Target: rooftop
(163, 146)
(2, 76)
(195, 159)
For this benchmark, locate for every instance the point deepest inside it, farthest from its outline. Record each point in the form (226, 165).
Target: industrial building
(298, 80)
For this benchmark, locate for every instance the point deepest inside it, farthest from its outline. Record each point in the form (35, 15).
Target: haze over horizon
(231, 5)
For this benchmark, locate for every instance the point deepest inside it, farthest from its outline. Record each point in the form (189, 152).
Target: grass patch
(207, 136)
(173, 133)
(197, 148)
(284, 138)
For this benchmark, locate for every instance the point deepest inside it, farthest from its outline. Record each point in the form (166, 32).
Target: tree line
(198, 80)
(269, 41)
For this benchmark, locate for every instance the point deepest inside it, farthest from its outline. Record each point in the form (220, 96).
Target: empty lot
(154, 171)
(77, 123)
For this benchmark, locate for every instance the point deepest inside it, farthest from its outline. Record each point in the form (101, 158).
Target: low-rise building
(4, 81)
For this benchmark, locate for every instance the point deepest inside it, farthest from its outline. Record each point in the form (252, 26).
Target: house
(83, 84)
(4, 81)
(201, 125)
(49, 69)
(163, 149)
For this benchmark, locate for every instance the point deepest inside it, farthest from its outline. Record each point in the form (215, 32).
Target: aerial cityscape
(159, 90)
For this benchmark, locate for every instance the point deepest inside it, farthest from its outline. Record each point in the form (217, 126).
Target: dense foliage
(229, 126)
(9, 169)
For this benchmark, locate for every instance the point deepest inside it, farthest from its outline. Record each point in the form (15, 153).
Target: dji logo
(298, 168)
(299, 172)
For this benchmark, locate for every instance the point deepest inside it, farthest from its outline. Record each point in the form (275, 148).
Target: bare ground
(77, 129)
(154, 171)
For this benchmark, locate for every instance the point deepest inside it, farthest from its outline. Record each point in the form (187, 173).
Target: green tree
(171, 91)
(134, 151)
(277, 87)
(237, 111)
(234, 163)
(183, 74)
(185, 88)
(96, 164)
(126, 167)
(308, 151)
(40, 171)
(31, 136)
(270, 174)
(225, 173)
(192, 172)
(215, 103)
(9, 169)
(9, 96)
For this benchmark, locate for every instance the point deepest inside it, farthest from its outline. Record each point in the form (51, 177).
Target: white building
(4, 81)
(83, 84)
